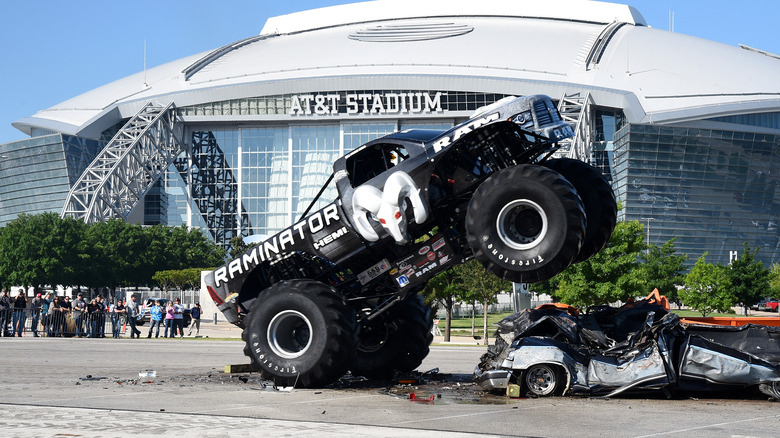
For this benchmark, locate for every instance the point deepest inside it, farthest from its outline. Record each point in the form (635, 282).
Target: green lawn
(684, 313)
(463, 325)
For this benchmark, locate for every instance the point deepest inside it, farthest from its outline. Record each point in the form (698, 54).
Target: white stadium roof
(496, 46)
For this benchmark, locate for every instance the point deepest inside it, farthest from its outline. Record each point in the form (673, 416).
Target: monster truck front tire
(598, 200)
(525, 223)
(399, 344)
(301, 333)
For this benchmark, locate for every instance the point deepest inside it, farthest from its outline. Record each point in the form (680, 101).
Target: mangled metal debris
(639, 346)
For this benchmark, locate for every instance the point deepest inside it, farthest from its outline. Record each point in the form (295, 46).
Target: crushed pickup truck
(338, 290)
(640, 346)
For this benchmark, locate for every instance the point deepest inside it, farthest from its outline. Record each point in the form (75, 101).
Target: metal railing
(61, 323)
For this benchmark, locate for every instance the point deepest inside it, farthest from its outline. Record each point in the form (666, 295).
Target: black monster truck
(338, 290)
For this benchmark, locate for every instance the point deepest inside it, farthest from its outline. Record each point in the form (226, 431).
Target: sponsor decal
(281, 242)
(374, 271)
(431, 256)
(330, 238)
(424, 250)
(445, 141)
(426, 269)
(266, 361)
(538, 260)
(438, 244)
(402, 281)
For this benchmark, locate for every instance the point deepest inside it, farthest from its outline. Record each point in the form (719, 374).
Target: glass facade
(276, 171)
(36, 174)
(712, 189)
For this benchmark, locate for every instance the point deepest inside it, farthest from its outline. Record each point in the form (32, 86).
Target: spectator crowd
(58, 316)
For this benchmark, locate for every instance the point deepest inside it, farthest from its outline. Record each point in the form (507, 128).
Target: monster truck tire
(525, 223)
(400, 344)
(598, 200)
(300, 333)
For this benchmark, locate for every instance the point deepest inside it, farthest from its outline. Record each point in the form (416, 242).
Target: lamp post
(648, 219)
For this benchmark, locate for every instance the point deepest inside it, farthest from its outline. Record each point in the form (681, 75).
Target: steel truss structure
(124, 171)
(213, 188)
(575, 109)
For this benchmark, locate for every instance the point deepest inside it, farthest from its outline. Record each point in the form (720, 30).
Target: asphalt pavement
(176, 387)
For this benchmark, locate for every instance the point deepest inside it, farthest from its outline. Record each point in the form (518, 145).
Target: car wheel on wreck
(543, 380)
(598, 200)
(399, 344)
(525, 223)
(300, 333)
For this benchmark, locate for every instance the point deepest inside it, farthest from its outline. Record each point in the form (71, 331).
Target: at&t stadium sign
(366, 103)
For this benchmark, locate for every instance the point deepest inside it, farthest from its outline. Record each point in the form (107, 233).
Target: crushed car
(556, 350)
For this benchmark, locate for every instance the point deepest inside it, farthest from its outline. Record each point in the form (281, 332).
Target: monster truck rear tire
(525, 223)
(301, 333)
(598, 200)
(399, 344)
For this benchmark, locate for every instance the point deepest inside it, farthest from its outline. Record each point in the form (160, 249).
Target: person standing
(178, 318)
(36, 307)
(169, 312)
(20, 313)
(66, 307)
(113, 313)
(118, 317)
(54, 316)
(155, 318)
(45, 318)
(5, 313)
(92, 310)
(132, 314)
(195, 313)
(100, 315)
(79, 312)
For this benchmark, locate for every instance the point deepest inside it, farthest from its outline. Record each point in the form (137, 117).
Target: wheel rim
(776, 389)
(541, 380)
(289, 334)
(373, 339)
(521, 224)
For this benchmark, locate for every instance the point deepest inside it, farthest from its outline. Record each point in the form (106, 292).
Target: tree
(774, 281)
(610, 275)
(190, 248)
(165, 279)
(237, 247)
(707, 288)
(109, 254)
(33, 251)
(749, 279)
(446, 287)
(662, 269)
(482, 286)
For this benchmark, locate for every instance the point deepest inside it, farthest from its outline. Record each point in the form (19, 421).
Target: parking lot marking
(498, 411)
(726, 423)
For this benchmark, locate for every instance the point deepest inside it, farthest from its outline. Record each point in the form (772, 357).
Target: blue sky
(56, 49)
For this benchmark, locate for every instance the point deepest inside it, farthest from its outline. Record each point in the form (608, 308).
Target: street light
(648, 219)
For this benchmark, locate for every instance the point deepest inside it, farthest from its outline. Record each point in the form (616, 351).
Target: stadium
(238, 140)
